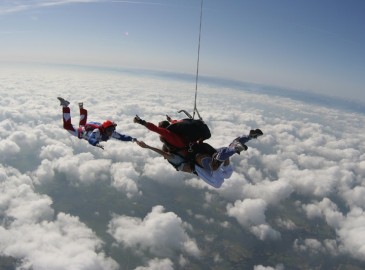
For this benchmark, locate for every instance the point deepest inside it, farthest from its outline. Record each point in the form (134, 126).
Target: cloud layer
(307, 169)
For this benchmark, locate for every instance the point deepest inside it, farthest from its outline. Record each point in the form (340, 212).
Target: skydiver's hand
(100, 146)
(138, 120)
(168, 118)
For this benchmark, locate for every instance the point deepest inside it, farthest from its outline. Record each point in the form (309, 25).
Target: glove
(138, 120)
(134, 140)
(168, 118)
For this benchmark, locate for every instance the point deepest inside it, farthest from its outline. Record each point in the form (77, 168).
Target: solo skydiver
(93, 132)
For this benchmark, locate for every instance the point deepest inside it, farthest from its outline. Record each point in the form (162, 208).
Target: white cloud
(160, 233)
(157, 264)
(30, 233)
(286, 224)
(309, 154)
(8, 149)
(161, 171)
(54, 151)
(261, 267)
(250, 213)
(352, 233)
(264, 232)
(125, 178)
(326, 209)
(11, 7)
(312, 245)
(315, 246)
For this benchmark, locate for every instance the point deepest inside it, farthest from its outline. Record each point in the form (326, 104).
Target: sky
(312, 46)
(295, 200)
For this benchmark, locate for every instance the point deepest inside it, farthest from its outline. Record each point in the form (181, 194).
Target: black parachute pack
(191, 130)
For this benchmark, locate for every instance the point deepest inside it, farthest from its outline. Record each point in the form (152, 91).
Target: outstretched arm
(169, 136)
(122, 137)
(158, 151)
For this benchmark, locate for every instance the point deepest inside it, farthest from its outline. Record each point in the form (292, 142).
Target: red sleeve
(169, 136)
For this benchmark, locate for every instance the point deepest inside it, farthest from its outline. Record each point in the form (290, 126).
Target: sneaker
(64, 103)
(81, 105)
(255, 133)
(239, 147)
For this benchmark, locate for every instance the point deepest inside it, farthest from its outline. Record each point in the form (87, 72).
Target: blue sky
(315, 46)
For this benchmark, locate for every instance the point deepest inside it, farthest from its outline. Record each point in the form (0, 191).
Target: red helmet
(108, 124)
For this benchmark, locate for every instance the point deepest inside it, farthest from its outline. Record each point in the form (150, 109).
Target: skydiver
(211, 165)
(93, 132)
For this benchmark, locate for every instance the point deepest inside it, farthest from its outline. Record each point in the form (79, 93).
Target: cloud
(22, 5)
(157, 264)
(286, 224)
(125, 178)
(351, 233)
(83, 168)
(261, 267)
(326, 209)
(160, 233)
(60, 244)
(315, 246)
(250, 213)
(307, 168)
(8, 149)
(161, 171)
(30, 233)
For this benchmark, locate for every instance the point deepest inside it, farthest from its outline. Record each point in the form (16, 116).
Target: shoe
(64, 103)
(81, 105)
(255, 133)
(239, 147)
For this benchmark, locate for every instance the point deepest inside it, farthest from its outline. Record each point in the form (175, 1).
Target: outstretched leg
(83, 115)
(66, 116)
(67, 119)
(237, 145)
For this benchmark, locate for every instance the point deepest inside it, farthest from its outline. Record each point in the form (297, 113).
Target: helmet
(108, 124)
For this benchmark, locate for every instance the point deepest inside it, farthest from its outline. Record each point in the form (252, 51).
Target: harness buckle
(190, 150)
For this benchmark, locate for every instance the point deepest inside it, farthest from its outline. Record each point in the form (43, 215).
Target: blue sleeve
(121, 137)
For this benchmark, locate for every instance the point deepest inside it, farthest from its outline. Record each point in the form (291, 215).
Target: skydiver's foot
(238, 146)
(81, 105)
(255, 133)
(64, 103)
(241, 147)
